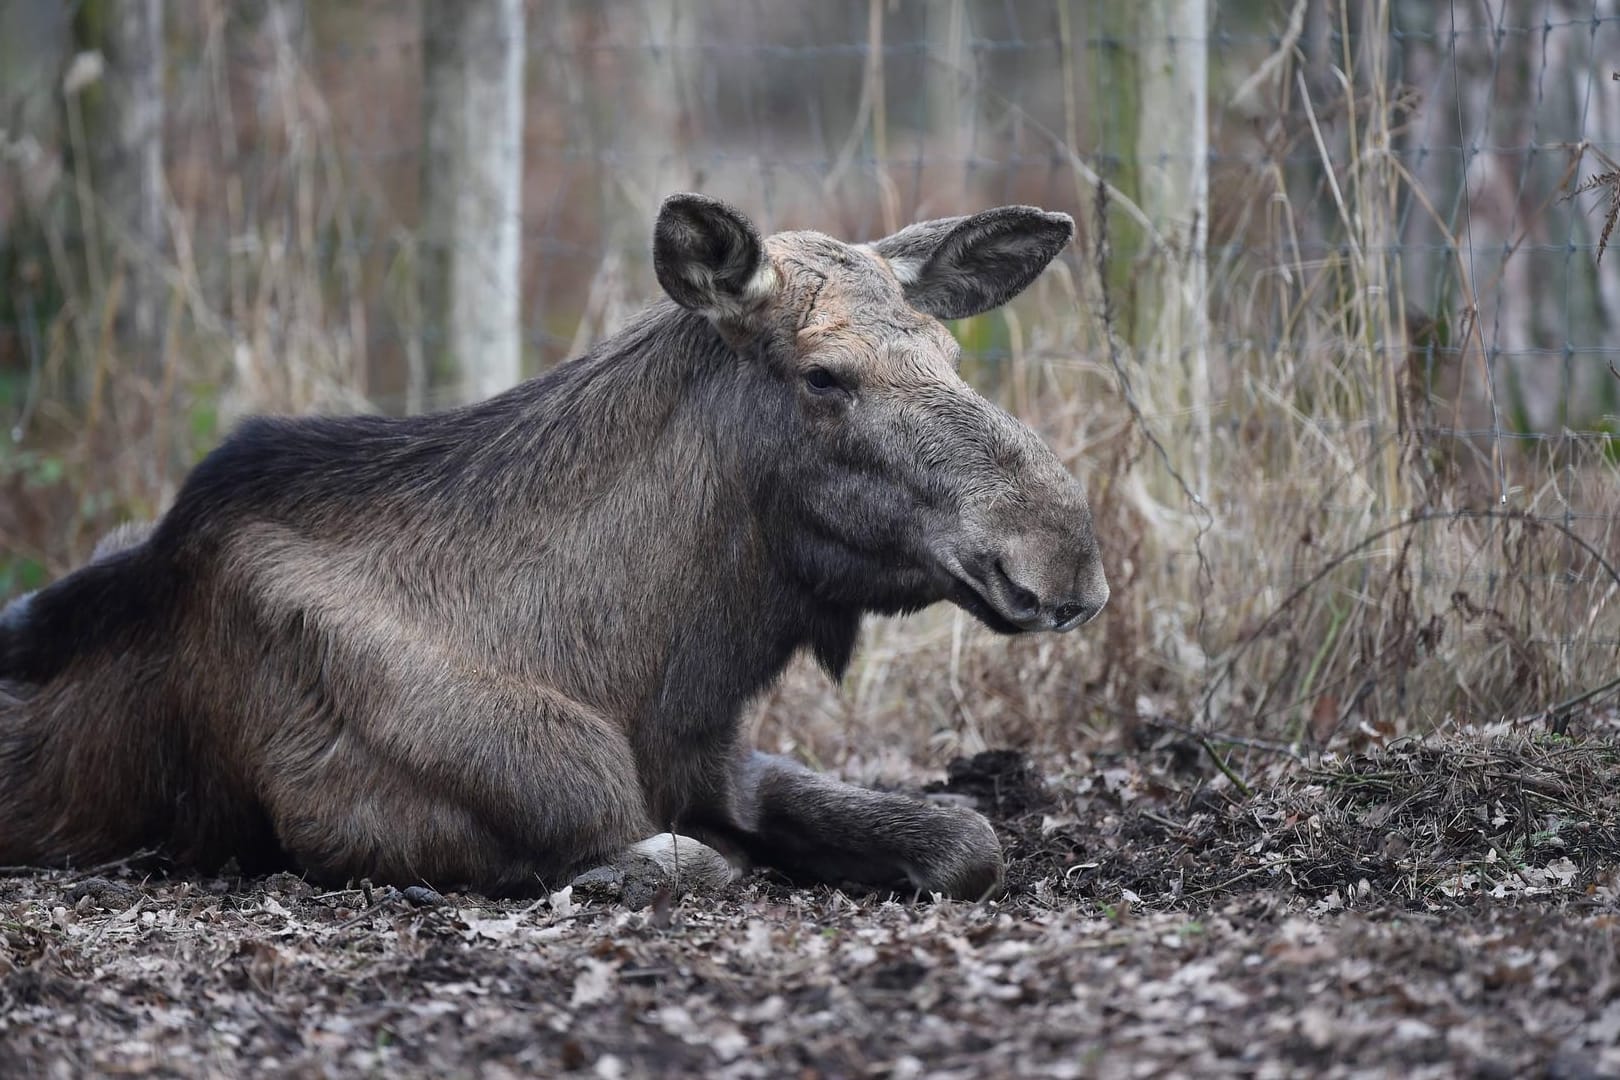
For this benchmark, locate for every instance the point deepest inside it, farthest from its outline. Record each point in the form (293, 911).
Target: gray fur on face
(499, 645)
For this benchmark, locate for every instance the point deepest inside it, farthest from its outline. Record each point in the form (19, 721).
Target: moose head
(894, 483)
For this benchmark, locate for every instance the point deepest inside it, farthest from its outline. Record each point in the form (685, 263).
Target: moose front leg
(786, 816)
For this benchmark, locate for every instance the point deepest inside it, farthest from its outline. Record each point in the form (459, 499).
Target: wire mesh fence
(1332, 349)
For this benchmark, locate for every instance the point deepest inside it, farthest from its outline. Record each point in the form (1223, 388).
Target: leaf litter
(1441, 907)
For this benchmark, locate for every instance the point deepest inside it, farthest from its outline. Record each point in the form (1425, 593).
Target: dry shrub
(1362, 558)
(270, 321)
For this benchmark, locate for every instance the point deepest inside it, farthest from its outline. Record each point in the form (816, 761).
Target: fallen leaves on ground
(1433, 909)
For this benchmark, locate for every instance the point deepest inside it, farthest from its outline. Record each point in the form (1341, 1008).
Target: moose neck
(644, 463)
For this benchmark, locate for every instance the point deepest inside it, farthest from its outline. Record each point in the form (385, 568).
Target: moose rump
(497, 645)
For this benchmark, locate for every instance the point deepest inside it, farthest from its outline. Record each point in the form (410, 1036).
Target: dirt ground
(1440, 908)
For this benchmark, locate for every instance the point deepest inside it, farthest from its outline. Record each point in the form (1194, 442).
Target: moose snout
(1022, 549)
(1029, 606)
(1027, 589)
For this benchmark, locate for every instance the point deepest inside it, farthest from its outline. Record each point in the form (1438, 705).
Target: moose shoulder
(497, 645)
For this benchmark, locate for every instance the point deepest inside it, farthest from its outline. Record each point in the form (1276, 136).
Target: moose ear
(709, 259)
(960, 266)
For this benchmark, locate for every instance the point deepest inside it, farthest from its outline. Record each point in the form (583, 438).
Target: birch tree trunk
(1172, 159)
(122, 143)
(472, 200)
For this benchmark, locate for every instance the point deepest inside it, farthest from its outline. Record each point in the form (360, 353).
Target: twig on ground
(1226, 770)
(1558, 716)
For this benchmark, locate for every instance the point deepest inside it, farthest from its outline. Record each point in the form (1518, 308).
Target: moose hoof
(680, 863)
(967, 864)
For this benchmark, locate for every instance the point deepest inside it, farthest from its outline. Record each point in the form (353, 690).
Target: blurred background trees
(1346, 284)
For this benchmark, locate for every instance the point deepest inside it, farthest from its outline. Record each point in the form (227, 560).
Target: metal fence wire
(1333, 347)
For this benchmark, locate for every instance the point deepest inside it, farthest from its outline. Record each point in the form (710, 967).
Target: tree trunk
(1172, 159)
(122, 140)
(472, 199)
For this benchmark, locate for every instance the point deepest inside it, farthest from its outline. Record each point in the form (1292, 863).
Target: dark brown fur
(496, 645)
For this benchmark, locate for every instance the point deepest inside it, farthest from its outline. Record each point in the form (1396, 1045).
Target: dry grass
(1361, 560)
(271, 320)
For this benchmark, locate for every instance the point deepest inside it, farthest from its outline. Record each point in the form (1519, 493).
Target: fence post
(1172, 157)
(471, 199)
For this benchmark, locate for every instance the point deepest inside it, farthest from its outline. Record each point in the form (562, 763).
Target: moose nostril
(1069, 612)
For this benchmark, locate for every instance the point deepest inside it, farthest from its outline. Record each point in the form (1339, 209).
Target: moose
(496, 646)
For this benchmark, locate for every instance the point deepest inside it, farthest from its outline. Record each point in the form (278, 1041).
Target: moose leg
(458, 782)
(786, 816)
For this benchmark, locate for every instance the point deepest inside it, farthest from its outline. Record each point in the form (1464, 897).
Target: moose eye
(820, 380)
